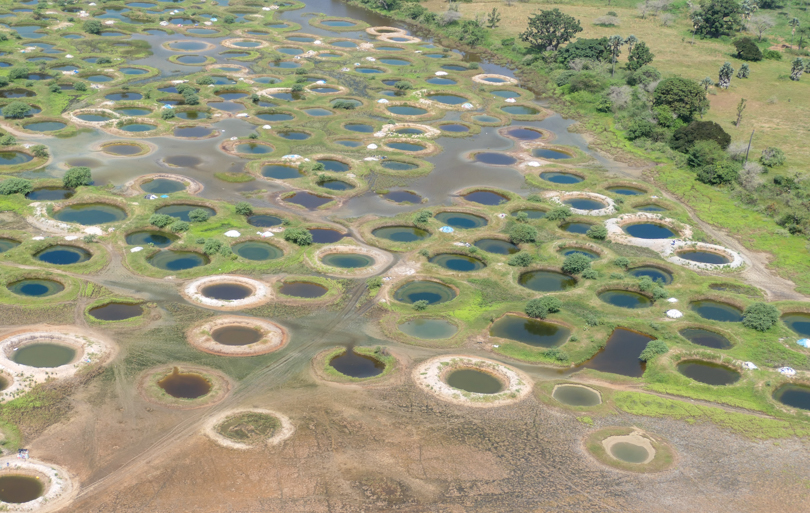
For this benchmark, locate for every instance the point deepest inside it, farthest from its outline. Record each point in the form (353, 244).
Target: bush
(18, 72)
(205, 80)
(653, 349)
(747, 49)
(402, 85)
(638, 129)
(344, 104)
(16, 110)
(552, 304)
(772, 55)
(422, 217)
(590, 274)
(685, 137)
(179, 226)
(772, 157)
(198, 215)
(80, 86)
(15, 186)
(583, 48)
(576, 263)
(643, 76)
(420, 305)
(40, 151)
(520, 233)
(161, 220)
(760, 316)
(705, 153)
(3, 81)
(622, 262)
(559, 213)
(597, 231)
(76, 177)
(8, 140)
(229, 18)
(105, 60)
(212, 246)
(374, 282)
(556, 354)
(563, 77)
(167, 114)
(587, 81)
(243, 208)
(685, 98)
(92, 27)
(720, 173)
(536, 309)
(298, 236)
(520, 260)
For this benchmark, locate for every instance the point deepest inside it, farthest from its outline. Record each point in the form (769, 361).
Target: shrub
(685, 98)
(597, 231)
(563, 77)
(80, 86)
(16, 110)
(402, 85)
(520, 260)
(229, 18)
(18, 72)
(212, 246)
(422, 217)
(520, 233)
(536, 309)
(243, 208)
(54, 88)
(559, 213)
(587, 81)
(3, 81)
(685, 137)
(179, 226)
(298, 236)
(105, 60)
(653, 349)
(198, 215)
(92, 27)
(76, 177)
(720, 173)
(522, 217)
(40, 151)
(747, 49)
(161, 220)
(552, 304)
(420, 305)
(8, 140)
(760, 316)
(590, 274)
(643, 76)
(15, 186)
(374, 282)
(772, 157)
(556, 354)
(705, 153)
(639, 128)
(205, 80)
(622, 262)
(584, 48)
(167, 114)
(772, 55)
(344, 104)
(576, 263)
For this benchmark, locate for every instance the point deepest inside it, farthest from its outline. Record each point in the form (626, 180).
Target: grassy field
(778, 108)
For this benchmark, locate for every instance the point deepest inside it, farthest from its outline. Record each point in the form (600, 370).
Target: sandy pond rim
(273, 336)
(284, 432)
(58, 492)
(382, 259)
(260, 293)
(192, 186)
(430, 376)
(220, 386)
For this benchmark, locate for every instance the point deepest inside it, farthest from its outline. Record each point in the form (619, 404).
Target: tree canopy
(550, 29)
(76, 177)
(685, 98)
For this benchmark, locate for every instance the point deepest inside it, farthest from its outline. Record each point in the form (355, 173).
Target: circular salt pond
(236, 335)
(230, 95)
(424, 290)
(281, 172)
(17, 93)
(19, 489)
(629, 452)
(798, 322)
(122, 149)
(184, 385)
(275, 116)
(705, 338)
(226, 291)
(182, 210)
(192, 59)
(171, 260)
(456, 262)
(532, 213)
(124, 96)
(584, 204)
(495, 159)
(533, 332)
(254, 250)
(404, 146)
(576, 395)
(318, 112)
(650, 208)
(441, 81)
(716, 311)
(625, 299)
(133, 71)
(137, 127)
(580, 228)
(395, 62)
(357, 365)
(145, 238)
(369, 71)
(89, 214)
(403, 197)
(453, 67)
(116, 311)
(401, 233)
(429, 329)
(284, 64)
(99, 78)
(134, 112)
(524, 134)
(520, 110)
(447, 99)
(292, 135)
(579, 251)
(95, 118)
(406, 110)
(338, 23)
(7, 244)
(359, 127)
(34, 287)
(797, 396)
(486, 198)
(304, 289)
(11, 158)
(324, 90)
(648, 231)
(162, 186)
(561, 178)
(708, 372)
(474, 381)
(45, 126)
(626, 191)
(410, 131)
(188, 46)
(192, 131)
(44, 355)
(546, 281)
(656, 274)
(247, 44)
(505, 93)
(454, 128)
(308, 200)
(325, 235)
(497, 246)
(301, 39)
(62, 254)
(263, 221)
(347, 260)
(336, 185)
(704, 257)
(254, 148)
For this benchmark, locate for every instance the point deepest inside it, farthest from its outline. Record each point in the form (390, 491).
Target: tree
(179, 226)
(298, 236)
(576, 263)
(167, 114)
(597, 231)
(229, 18)
(717, 17)
(644, 75)
(76, 177)
(747, 49)
(80, 86)
(560, 213)
(422, 217)
(744, 71)
(616, 43)
(794, 23)
(740, 109)
(243, 208)
(684, 97)
(706, 83)
(726, 71)
(8, 140)
(760, 316)
(520, 260)
(421, 305)
(584, 48)
(796, 70)
(198, 215)
(550, 29)
(720, 173)
(622, 262)
(536, 309)
(653, 349)
(16, 110)
(92, 27)
(40, 151)
(520, 233)
(161, 220)
(640, 55)
(212, 246)
(15, 186)
(493, 18)
(761, 23)
(705, 153)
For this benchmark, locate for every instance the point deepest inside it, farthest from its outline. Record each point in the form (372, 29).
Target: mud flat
(244, 428)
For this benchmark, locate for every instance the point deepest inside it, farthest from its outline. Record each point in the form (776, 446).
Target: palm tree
(615, 43)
